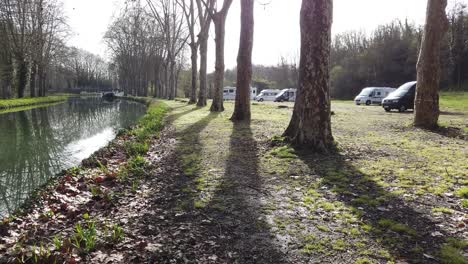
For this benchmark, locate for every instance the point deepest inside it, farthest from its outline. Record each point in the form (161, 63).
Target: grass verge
(12, 103)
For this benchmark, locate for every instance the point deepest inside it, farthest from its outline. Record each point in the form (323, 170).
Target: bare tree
(244, 62)
(168, 15)
(428, 68)
(219, 20)
(6, 63)
(189, 13)
(205, 24)
(310, 125)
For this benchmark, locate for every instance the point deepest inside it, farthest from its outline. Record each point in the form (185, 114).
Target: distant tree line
(34, 58)
(147, 44)
(389, 55)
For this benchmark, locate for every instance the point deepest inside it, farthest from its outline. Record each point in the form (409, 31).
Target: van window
(378, 93)
(231, 91)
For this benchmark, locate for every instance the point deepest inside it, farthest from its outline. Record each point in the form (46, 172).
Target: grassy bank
(12, 103)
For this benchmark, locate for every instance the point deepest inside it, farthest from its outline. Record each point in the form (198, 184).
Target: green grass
(11, 103)
(391, 156)
(451, 252)
(457, 101)
(396, 227)
(442, 210)
(463, 192)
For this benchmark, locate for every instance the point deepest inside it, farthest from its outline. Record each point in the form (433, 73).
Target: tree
(170, 20)
(244, 62)
(6, 64)
(310, 124)
(189, 13)
(205, 23)
(219, 20)
(428, 68)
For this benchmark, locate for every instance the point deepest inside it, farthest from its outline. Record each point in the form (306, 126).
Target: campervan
(287, 95)
(267, 95)
(402, 99)
(229, 93)
(373, 95)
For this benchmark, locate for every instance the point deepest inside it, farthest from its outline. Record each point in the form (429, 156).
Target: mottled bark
(310, 124)
(428, 68)
(33, 80)
(21, 75)
(203, 68)
(219, 20)
(244, 62)
(194, 58)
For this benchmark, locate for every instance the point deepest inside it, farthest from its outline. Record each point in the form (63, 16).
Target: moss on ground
(351, 198)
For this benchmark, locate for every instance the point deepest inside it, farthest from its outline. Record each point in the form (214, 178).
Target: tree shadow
(237, 203)
(398, 226)
(173, 117)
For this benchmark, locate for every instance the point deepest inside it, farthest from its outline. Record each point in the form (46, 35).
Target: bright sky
(276, 24)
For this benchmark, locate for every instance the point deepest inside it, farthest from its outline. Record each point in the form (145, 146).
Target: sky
(276, 24)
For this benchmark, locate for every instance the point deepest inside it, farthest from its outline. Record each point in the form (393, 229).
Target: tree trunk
(194, 57)
(310, 124)
(21, 76)
(219, 21)
(203, 67)
(426, 107)
(244, 62)
(32, 80)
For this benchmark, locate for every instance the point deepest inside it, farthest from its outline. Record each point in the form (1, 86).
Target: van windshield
(403, 90)
(366, 92)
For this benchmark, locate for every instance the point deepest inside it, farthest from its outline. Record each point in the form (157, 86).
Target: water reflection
(37, 144)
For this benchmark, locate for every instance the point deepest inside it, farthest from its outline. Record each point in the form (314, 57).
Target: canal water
(37, 144)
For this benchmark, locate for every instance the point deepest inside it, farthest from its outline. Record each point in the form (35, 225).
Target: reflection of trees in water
(32, 144)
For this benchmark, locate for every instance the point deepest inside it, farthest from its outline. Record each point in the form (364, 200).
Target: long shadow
(377, 206)
(236, 205)
(173, 117)
(175, 204)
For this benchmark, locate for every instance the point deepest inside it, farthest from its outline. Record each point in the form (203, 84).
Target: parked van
(267, 95)
(373, 95)
(229, 93)
(287, 95)
(402, 99)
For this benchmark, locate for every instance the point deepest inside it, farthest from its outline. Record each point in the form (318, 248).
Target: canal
(37, 144)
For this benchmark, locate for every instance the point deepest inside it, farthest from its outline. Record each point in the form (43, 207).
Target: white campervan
(267, 95)
(286, 95)
(373, 95)
(229, 93)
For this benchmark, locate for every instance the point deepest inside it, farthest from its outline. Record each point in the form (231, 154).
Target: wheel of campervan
(387, 109)
(402, 109)
(368, 102)
(260, 100)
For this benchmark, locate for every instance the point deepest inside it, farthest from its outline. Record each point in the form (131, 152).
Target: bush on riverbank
(10, 103)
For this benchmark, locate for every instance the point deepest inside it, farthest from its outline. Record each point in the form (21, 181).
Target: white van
(286, 95)
(229, 93)
(267, 95)
(373, 95)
